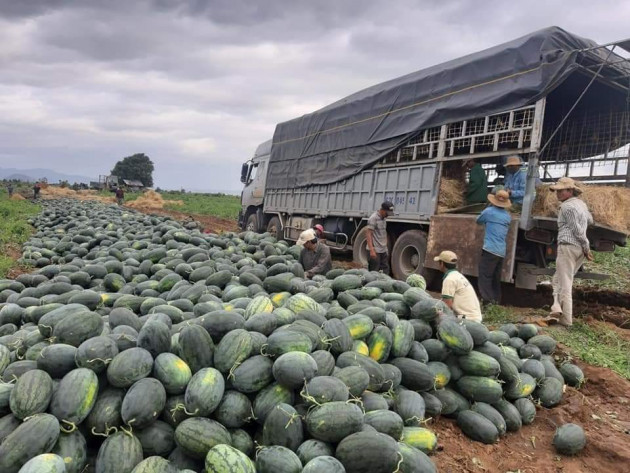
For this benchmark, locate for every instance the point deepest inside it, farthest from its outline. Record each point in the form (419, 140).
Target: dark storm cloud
(198, 84)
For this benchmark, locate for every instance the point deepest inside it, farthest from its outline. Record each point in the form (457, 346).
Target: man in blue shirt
(515, 178)
(497, 220)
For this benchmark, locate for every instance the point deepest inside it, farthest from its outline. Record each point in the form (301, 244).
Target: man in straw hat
(515, 179)
(315, 257)
(572, 249)
(457, 293)
(477, 189)
(496, 219)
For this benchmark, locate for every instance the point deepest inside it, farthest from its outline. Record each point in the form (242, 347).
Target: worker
(477, 183)
(319, 231)
(572, 249)
(305, 236)
(315, 257)
(378, 257)
(457, 293)
(36, 188)
(10, 189)
(515, 180)
(120, 195)
(496, 220)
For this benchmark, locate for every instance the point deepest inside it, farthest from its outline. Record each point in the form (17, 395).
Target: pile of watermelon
(143, 345)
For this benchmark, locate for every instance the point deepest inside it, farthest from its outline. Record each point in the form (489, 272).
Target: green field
(14, 229)
(216, 205)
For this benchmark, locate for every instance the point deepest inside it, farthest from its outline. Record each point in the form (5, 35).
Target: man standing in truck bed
(378, 258)
(477, 189)
(515, 181)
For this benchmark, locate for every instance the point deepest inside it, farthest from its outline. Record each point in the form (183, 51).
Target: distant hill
(53, 177)
(19, 177)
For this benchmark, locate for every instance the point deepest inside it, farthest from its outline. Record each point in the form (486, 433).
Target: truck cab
(253, 177)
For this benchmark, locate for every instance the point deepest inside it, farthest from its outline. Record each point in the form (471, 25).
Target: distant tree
(137, 167)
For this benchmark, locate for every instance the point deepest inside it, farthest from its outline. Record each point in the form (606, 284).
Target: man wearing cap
(315, 257)
(477, 183)
(573, 247)
(497, 220)
(457, 292)
(305, 236)
(515, 178)
(378, 258)
(319, 231)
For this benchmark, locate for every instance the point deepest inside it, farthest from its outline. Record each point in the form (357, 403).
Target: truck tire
(275, 228)
(408, 256)
(359, 248)
(252, 224)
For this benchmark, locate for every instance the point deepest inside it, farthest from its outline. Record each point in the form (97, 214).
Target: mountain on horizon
(53, 177)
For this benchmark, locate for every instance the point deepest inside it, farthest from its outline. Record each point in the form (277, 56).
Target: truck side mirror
(244, 170)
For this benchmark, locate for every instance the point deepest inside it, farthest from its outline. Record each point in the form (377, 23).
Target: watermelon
(119, 453)
(34, 436)
(283, 426)
(333, 421)
(31, 394)
(222, 458)
(143, 403)
(477, 427)
(569, 439)
(197, 435)
(74, 398)
(204, 392)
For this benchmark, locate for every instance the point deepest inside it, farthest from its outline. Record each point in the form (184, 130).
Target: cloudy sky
(197, 84)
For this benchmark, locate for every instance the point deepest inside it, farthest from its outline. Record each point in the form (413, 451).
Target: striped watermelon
(258, 304)
(222, 458)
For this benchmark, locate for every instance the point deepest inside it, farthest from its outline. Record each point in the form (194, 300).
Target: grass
(14, 228)
(595, 344)
(498, 314)
(615, 264)
(216, 205)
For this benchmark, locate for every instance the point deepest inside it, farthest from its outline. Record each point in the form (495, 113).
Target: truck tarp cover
(352, 134)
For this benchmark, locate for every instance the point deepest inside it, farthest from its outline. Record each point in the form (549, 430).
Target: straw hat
(514, 161)
(446, 257)
(501, 199)
(306, 235)
(566, 183)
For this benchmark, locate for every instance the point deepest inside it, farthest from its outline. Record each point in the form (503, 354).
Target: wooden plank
(461, 234)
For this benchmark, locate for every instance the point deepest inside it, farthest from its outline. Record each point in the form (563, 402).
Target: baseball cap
(388, 207)
(306, 235)
(446, 257)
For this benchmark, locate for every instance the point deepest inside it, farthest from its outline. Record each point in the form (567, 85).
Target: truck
(557, 100)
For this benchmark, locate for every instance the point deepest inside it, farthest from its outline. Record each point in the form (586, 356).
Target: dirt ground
(601, 407)
(209, 223)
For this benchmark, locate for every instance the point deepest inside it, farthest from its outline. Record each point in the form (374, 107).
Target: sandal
(551, 320)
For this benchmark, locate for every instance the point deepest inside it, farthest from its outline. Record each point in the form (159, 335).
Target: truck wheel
(275, 228)
(252, 224)
(408, 256)
(359, 248)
